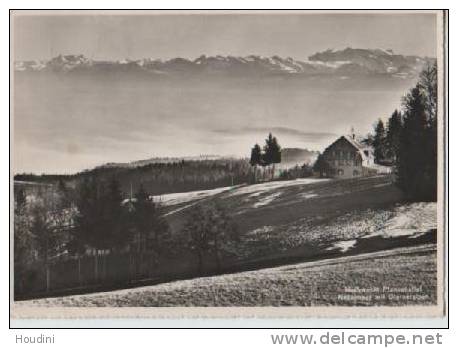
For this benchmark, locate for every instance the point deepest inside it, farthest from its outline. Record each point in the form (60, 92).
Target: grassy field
(403, 276)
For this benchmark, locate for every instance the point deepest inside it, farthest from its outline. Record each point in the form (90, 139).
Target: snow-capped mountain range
(347, 62)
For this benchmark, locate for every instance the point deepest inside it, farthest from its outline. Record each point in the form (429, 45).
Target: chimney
(352, 132)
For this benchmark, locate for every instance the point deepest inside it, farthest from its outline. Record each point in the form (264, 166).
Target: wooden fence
(73, 275)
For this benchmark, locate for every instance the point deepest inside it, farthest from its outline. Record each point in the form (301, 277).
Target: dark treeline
(160, 178)
(408, 141)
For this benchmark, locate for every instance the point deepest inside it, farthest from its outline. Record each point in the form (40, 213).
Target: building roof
(357, 144)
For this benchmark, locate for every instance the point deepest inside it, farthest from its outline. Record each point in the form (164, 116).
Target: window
(340, 172)
(355, 173)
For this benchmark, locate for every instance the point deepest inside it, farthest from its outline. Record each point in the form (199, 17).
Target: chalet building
(348, 157)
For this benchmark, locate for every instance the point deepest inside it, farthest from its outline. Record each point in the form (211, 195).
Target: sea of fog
(67, 122)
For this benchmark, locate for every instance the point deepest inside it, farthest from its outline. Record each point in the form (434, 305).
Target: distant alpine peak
(346, 62)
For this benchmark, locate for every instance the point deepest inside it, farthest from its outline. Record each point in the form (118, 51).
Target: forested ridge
(160, 178)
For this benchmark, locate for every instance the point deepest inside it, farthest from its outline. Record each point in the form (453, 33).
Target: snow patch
(258, 189)
(308, 195)
(410, 220)
(330, 64)
(343, 245)
(184, 197)
(266, 200)
(261, 230)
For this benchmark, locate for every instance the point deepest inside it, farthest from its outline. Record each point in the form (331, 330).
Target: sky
(189, 36)
(64, 126)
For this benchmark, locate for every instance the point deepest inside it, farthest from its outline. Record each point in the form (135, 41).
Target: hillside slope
(313, 218)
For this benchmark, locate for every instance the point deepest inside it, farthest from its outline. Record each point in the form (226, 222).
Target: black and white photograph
(227, 163)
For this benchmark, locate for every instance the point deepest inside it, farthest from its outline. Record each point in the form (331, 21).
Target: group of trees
(386, 138)
(95, 218)
(36, 232)
(269, 155)
(409, 139)
(58, 221)
(105, 221)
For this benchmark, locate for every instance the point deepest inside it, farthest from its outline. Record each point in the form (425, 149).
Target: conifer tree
(393, 135)
(91, 221)
(256, 159)
(256, 155)
(148, 223)
(428, 83)
(412, 160)
(276, 151)
(416, 147)
(272, 152)
(115, 218)
(379, 141)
